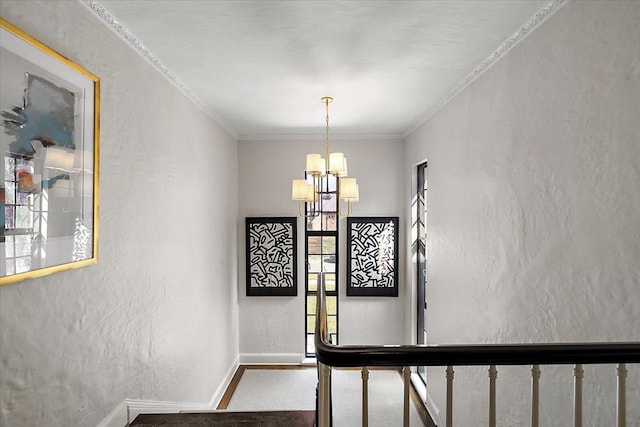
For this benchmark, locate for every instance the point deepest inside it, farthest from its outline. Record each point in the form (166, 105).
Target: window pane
(328, 245)
(330, 282)
(315, 263)
(329, 221)
(332, 304)
(332, 324)
(314, 223)
(312, 282)
(322, 222)
(314, 245)
(311, 324)
(332, 183)
(311, 348)
(311, 304)
(329, 263)
(329, 202)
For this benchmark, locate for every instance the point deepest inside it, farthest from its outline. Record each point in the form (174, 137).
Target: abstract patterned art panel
(271, 256)
(372, 256)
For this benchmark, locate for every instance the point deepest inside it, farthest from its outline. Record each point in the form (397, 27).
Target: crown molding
(320, 137)
(541, 16)
(112, 22)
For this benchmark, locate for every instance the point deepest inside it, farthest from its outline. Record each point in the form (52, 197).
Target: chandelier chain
(326, 101)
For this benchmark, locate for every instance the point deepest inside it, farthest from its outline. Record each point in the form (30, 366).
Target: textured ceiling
(261, 67)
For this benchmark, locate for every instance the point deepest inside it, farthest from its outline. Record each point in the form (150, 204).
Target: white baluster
(578, 373)
(324, 398)
(406, 375)
(449, 421)
(365, 396)
(622, 398)
(535, 395)
(493, 374)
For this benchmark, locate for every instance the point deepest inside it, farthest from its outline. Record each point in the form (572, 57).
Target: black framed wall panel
(372, 256)
(271, 257)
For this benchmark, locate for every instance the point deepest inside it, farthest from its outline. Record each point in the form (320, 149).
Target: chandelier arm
(312, 215)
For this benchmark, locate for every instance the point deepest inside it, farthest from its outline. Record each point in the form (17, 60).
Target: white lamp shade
(59, 158)
(344, 169)
(311, 194)
(299, 189)
(349, 189)
(336, 163)
(315, 164)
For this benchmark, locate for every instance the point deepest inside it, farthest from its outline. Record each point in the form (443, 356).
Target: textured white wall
(156, 318)
(275, 325)
(534, 211)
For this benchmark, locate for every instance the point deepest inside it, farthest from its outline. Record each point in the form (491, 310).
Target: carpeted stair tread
(229, 419)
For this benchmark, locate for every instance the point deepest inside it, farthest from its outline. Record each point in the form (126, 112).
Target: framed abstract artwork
(49, 150)
(271, 256)
(372, 256)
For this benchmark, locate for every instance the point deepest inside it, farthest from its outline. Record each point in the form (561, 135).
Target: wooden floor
(229, 419)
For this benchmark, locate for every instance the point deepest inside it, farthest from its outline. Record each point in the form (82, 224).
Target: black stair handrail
(465, 355)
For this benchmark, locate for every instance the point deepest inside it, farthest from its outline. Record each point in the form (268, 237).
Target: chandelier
(326, 181)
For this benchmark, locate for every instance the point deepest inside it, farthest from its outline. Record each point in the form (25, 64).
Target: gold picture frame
(49, 148)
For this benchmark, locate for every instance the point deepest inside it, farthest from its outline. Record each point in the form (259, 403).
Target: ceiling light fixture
(326, 184)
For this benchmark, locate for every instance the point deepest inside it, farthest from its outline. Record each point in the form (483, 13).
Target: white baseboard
(219, 393)
(271, 358)
(116, 418)
(137, 407)
(129, 409)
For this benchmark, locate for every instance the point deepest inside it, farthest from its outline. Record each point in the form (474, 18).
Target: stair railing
(492, 355)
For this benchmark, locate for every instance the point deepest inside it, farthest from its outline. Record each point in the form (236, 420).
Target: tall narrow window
(421, 257)
(321, 254)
